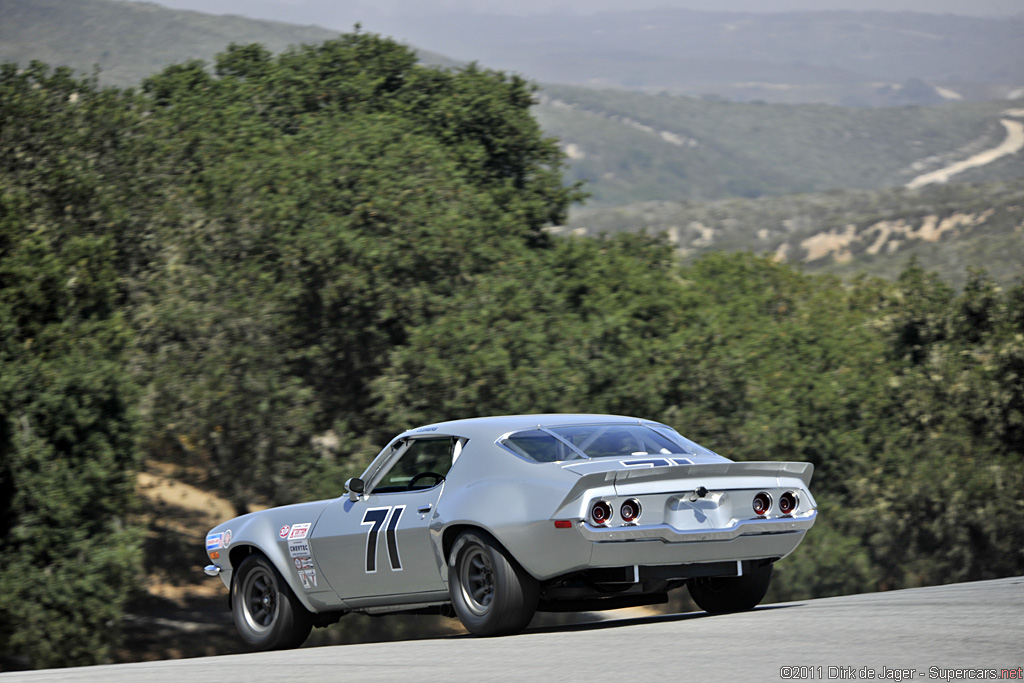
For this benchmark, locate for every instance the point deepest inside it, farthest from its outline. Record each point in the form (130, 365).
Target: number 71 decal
(374, 518)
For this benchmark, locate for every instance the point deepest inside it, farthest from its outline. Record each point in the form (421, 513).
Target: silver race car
(490, 519)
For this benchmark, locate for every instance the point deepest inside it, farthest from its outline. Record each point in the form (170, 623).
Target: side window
(538, 446)
(423, 465)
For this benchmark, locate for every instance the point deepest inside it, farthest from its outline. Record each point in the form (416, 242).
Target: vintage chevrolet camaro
(491, 519)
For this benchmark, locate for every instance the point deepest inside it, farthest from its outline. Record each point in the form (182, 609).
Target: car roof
(495, 426)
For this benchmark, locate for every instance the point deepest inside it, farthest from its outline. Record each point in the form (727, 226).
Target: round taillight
(601, 513)
(762, 503)
(788, 502)
(630, 510)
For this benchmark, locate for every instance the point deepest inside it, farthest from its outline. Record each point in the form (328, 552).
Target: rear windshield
(555, 444)
(614, 441)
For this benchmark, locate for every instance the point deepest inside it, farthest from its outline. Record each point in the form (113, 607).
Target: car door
(379, 545)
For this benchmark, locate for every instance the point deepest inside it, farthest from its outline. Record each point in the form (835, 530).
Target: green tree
(578, 327)
(956, 397)
(321, 206)
(280, 262)
(68, 555)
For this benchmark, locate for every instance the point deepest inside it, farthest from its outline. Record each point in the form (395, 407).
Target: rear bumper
(753, 539)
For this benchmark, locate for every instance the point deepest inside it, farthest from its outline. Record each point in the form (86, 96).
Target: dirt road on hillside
(1013, 143)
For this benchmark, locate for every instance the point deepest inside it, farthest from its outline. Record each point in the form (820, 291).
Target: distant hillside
(815, 182)
(130, 41)
(862, 58)
(631, 147)
(850, 58)
(946, 227)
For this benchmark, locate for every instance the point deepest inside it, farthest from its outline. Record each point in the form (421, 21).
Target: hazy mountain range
(130, 40)
(859, 58)
(711, 173)
(841, 57)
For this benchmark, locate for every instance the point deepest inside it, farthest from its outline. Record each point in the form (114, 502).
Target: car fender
(264, 532)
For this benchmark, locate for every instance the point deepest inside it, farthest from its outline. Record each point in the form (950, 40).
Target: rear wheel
(491, 594)
(731, 593)
(267, 614)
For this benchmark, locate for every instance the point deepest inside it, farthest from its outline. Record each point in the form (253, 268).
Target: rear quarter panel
(515, 501)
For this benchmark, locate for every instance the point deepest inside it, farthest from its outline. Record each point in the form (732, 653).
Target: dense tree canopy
(67, 426)
(233, 264)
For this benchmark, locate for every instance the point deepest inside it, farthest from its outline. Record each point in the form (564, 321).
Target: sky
(971, 7)
(307, 11)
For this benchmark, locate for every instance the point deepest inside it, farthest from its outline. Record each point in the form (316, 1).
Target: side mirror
(355, 487)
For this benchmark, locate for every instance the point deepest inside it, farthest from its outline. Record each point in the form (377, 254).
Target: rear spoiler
(639, 479)
(801, 470)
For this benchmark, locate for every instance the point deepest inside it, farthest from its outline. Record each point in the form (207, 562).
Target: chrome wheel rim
(476, 579)
(259, 599)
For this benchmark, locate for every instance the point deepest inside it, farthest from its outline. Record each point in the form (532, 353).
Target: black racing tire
(492, 595)
(720, 594)
(267, 614)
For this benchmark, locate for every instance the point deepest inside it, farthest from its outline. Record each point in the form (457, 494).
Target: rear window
(556, 444)
(615, 441)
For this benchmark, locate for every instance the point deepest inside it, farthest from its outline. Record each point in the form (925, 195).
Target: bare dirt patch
(883, 235)
(832, 242)
(180, 612)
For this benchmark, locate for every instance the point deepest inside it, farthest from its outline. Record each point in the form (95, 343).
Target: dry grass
(180, 611)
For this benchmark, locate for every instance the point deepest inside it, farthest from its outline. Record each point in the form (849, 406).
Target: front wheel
(267, 614)
(720, 594)
(491, 594)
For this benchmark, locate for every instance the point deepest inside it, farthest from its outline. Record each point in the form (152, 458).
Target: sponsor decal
(227, 538)
(299, 531)
(426, 429)
(284, 531)
(303, 562)
(299, 548)
(214, 541)
(308, 578)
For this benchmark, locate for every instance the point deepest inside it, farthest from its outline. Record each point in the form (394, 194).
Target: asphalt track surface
(936, 633)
